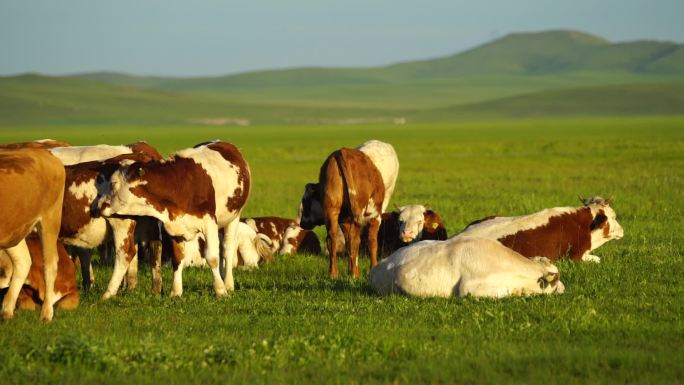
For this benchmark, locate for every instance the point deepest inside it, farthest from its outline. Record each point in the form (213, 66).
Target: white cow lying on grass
(464, 266)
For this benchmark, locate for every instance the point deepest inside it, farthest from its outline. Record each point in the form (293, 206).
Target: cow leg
(49, 230)
(211, 252)
(373, 227)
(353, 240)
(230, 244)
(126, 250)
(332, 240)
(177, 262)
(155, 264)
(131, 281)
(21, 263)
(83, 256)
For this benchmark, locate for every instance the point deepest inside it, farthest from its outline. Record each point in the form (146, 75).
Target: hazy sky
(210, 37)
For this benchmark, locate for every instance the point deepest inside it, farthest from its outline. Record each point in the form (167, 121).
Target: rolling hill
(522, 74)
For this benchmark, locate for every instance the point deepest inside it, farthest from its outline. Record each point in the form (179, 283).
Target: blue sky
(211, 37)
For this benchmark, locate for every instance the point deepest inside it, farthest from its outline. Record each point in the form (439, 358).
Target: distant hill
(522, 74)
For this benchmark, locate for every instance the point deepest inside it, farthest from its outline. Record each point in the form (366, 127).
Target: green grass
(618, 322)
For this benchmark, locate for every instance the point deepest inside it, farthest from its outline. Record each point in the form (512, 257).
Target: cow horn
(582, 199)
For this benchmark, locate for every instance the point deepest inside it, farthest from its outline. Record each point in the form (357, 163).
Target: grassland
(619, 321)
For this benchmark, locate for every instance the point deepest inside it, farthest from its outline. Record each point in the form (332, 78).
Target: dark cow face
(311, 209)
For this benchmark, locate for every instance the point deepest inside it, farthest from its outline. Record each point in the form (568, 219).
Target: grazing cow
(31, 192)
(84, 181)
(464, 266)
(554, 233)
(408, 224)
(253, 248)
(271, 227)
(197, 190)
(298, 240)
(33, 291)
(349, 193)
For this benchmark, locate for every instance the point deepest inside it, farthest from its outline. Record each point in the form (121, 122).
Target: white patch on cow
(498, 227)
(86, 189)
(385, 160)
(90, 235)
(591, 258)
(370, 212)
(463, 266)
(411, 221)
(79, 154)
(247, 252)
(598, 237)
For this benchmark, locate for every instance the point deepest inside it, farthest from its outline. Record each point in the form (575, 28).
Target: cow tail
(357, 212)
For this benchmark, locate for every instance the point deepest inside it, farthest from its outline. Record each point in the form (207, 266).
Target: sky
(212, 37)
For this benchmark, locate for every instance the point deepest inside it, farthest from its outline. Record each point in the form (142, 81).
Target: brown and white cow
(349, 193)
(33, 291)
(272, 228)
(197, 190)
(31, 192)
(299, 240)
(80, 229)
(464, 266)
(554, 233)
(408, 224)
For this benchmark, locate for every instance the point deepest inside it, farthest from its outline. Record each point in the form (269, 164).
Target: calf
(554, 233)
(31, 193)
(197, 190)
(350, 194)
(298, 240)
(408, 224)
(464, 266)
(33, 291)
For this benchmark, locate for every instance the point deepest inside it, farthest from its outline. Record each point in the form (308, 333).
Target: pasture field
(619, 321)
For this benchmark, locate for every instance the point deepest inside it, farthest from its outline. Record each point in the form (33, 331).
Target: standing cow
(197, 190)
(554, 233)
(349, 194)
(31, 193)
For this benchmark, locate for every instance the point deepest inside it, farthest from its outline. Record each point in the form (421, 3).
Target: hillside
(522, 74)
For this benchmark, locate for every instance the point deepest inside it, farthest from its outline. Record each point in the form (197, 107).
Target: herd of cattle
(188, 206)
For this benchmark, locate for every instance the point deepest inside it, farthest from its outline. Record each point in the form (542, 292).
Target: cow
(385, 160)
(31, 193)
(408, 224)
(80, 229)
(349, 193)
(554, 233)
(196, 191)
(33, 291)
(298, 240)
(461, 267)
(253, 248)
(271, 227)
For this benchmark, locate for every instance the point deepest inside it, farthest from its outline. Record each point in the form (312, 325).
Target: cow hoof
(7, 315)
(591, 258)
(175, 294)
(108, 295)
(46, 314)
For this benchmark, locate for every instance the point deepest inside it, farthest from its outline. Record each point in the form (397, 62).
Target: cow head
(411, 222)
(604, 226)
(311, 209)
(115, 196)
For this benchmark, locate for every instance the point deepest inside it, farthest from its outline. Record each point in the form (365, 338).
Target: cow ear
(581, 198)
(599, 220)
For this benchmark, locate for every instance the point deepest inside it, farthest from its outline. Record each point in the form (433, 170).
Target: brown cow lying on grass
(554, 233)
(33, 291)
